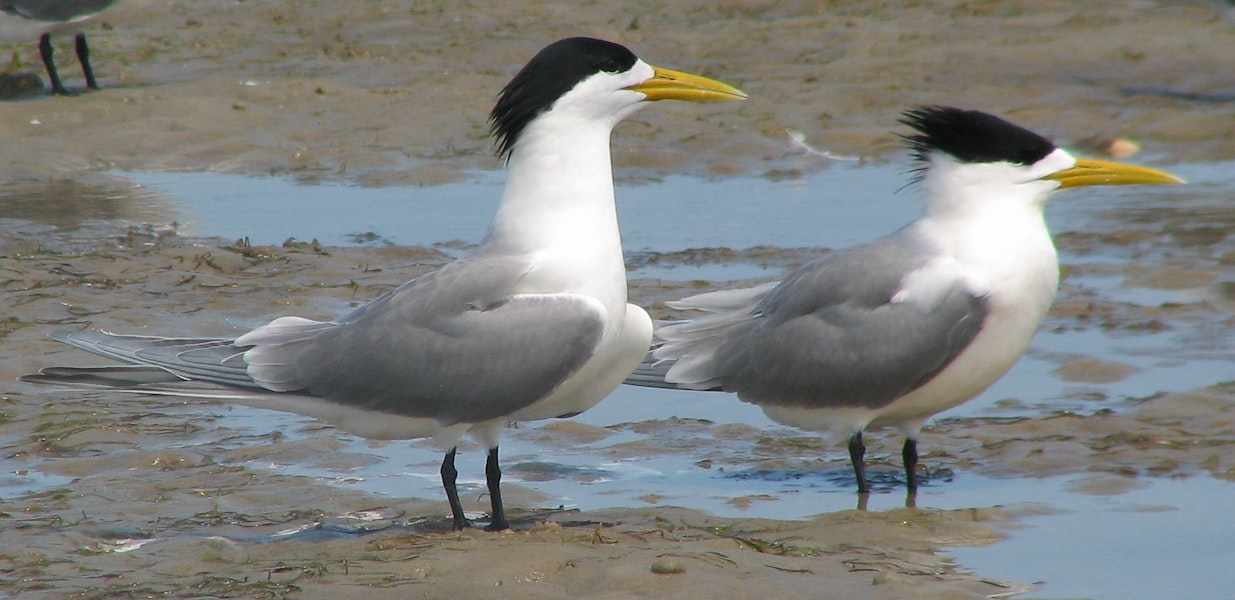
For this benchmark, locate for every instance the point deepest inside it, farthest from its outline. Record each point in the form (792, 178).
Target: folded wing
(456, 345)
(860, 327)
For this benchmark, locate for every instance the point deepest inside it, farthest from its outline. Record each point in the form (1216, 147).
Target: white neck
(558, 208)
(989, 217)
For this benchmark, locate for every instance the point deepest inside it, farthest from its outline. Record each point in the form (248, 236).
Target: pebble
(668, 567)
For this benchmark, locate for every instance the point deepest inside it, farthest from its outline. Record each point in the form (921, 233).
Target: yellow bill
(1102, 172)
(676, 85)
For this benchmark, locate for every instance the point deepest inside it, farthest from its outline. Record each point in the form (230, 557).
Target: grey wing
(454, 345)
(836, 334)
(55, 10)
(147, 380)
(202, 359)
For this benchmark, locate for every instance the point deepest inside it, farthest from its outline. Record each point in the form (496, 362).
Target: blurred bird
(21, 20)
(891, 332)
(533, 324)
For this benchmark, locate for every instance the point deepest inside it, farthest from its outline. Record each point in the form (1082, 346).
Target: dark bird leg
(910, 455)
(863, 501)
(83, 56)
(49, 63)
(857, 454)
(493, 476)
(449, 475)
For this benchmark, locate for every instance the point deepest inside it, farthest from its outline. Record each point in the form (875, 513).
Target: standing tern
(533, 324)
(24, 19)
(891, 332)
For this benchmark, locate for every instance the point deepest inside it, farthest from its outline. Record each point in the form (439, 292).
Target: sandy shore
(396, 93)
(383, 92)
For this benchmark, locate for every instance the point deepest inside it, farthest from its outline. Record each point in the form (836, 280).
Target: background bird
(24, 19)
(533, 324)
(891, 332)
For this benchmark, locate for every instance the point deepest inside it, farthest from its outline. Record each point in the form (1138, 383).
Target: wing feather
(456, 345)
(839, 332)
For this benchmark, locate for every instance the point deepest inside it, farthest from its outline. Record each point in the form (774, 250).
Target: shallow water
(711, 452)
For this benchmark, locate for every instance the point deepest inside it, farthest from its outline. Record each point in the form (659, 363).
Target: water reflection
(68, 204)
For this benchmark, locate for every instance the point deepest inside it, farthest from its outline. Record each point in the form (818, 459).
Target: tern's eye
(610, 66)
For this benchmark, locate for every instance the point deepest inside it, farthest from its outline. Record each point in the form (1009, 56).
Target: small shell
(667, 566)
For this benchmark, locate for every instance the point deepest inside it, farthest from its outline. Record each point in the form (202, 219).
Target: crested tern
(25, 19)
(533, 324)
(893, 331)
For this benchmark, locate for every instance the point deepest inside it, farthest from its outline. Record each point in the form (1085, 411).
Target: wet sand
(386, 94)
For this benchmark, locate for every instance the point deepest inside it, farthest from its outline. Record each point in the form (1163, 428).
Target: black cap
(970, 136)
(551, 73)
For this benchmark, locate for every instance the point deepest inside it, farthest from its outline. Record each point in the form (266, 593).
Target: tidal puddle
(15, 483)
(1123, 303)
(843, 205)
(1165, 538)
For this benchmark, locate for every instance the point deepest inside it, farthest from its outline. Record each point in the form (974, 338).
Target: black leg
(493, 476)
(449, 475)
(857, 454)
(83, 56)
(910, 455)
(49, 63)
